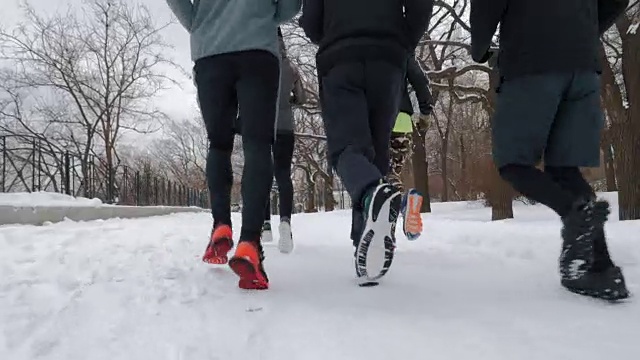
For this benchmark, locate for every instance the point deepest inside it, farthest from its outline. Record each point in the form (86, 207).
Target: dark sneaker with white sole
(266, 236)
(376, 246)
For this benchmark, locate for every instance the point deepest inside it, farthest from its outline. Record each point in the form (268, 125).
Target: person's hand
(424, 122)
(491, 57)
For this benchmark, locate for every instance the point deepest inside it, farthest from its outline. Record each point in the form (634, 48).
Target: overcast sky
(178, 103)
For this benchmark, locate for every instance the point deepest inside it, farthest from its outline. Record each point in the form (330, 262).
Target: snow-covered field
(42, 198)
(469, 289)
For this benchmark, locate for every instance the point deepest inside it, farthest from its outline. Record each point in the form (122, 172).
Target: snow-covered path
(468, 289)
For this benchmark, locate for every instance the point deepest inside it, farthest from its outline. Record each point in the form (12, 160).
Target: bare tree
(445, 52)
(620, 56)
(623, 93)
(94, 76)
(183, 152)
(31, 161)
(310, 155)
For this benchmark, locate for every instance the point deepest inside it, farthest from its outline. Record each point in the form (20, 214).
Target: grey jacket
(224, 26)
(291, 93)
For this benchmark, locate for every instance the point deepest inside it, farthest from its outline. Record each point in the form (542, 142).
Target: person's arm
(183, 10)
(287, 9)
(420, 85)
(312, 19)
(485, 17)
(608, 13)
(299, 97)
(417, 14)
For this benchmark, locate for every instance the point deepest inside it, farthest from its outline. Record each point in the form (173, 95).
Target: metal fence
(301, 198)
(30, 164)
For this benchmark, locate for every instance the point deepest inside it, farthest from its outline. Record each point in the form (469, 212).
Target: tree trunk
(628, 170)
(464, 183)
(443, 159)
(311, 199)
(310, 203)
(627, 155)
(501, 194)
(501, 198)
(329, 200)
(420, 168)
(609, 168)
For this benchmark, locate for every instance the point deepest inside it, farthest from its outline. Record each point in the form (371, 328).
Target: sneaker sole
(220, 249)
(285, 243)
(216, 260)
(609, 285)
(374, 254)
(368, 283)
(607, 295)
(247, 273)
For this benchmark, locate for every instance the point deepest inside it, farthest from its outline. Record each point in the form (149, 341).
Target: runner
(361, 62)
(292, 93)
(548, 104)
(234, 45)
(401, 146)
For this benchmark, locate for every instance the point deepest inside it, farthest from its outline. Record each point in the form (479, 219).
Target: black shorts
(555, 117)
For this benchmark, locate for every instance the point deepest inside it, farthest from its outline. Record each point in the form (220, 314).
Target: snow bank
(40, 215)
(46, 207)
(43, 198)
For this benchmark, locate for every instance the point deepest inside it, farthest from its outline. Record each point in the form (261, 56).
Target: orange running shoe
(247, 264)
(220, 244)
(412, 219)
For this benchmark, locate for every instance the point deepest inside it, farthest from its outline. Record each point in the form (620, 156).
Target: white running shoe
(285, 243)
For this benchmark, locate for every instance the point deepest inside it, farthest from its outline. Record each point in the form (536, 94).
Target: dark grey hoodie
(291, 92)
(224, 26)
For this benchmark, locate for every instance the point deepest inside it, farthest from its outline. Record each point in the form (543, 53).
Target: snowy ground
(46, 199)
(468, 289)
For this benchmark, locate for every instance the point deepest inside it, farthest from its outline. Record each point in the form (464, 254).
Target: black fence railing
(31, 164)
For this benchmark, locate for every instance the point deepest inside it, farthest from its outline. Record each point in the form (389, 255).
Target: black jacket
(348, 30)
(420, 84)
(541, 36)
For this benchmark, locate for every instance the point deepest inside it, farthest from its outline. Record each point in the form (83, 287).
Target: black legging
(282, 156)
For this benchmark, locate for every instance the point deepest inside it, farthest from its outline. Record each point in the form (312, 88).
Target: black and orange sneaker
(247, 264)
(220, 244)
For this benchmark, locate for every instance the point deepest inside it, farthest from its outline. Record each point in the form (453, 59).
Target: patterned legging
(401, 147)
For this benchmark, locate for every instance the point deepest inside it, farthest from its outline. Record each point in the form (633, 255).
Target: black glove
(491, 56)
(424, 122)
